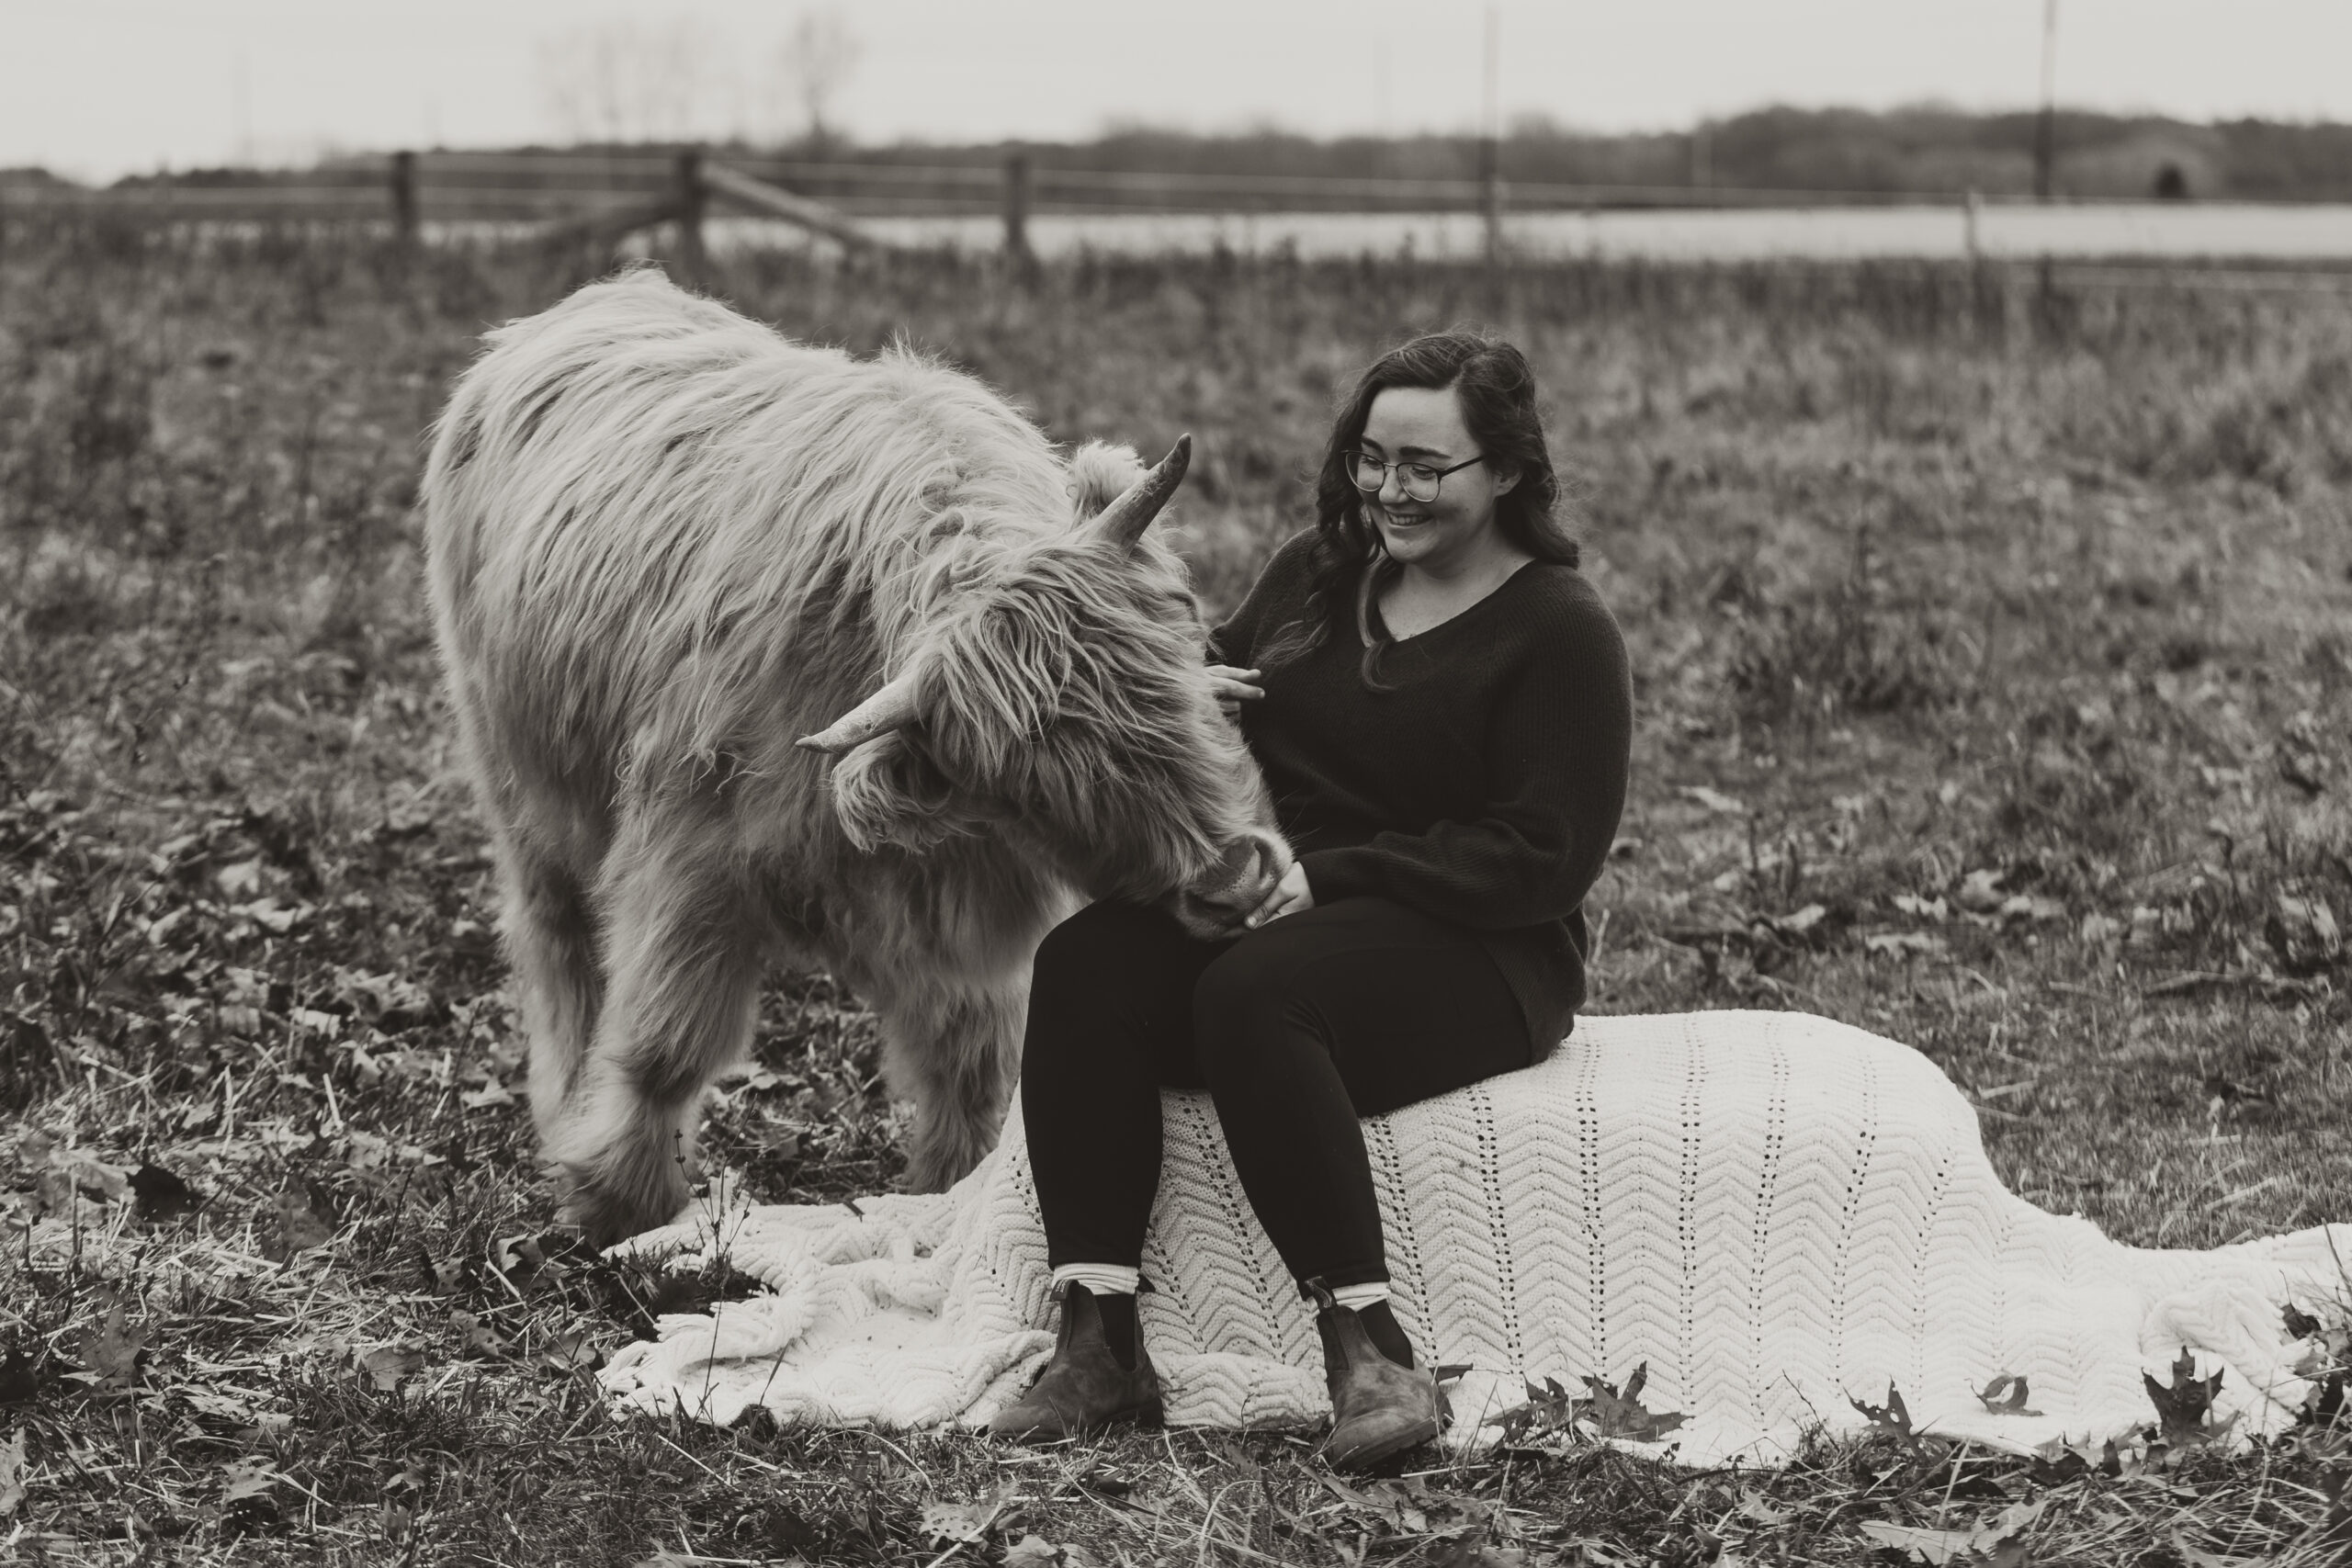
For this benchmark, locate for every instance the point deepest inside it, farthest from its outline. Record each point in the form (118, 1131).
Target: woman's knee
(1242, 1001)
(1101, 975)
(1103, 938)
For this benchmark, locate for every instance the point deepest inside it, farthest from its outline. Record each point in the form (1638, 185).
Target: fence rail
(603, 196)
(525, 184)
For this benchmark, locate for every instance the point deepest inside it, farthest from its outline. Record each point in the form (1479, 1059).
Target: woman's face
(1421, 424)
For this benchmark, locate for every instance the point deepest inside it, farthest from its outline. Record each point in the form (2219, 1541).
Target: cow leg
(954, 1051)
(552, 948)
(681, 989)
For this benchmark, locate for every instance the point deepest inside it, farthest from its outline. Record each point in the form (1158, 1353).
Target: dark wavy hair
(1495, 393)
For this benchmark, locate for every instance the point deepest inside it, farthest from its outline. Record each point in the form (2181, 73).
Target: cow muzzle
(1215, 905)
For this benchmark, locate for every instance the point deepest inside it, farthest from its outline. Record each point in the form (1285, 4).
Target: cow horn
(1123, 521)
(887, 709)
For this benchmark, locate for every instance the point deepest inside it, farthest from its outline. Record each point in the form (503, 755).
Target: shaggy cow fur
(665, 542)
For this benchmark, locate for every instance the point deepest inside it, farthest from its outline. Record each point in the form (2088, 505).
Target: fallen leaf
(1979, 892)
(2031, 906)
(570, 1350)
(1624, 1416)
(160, 1194)
(1896, 943)
(1549, 1408)
(1892, 1417)
(387, 1364)
(248, 1500)
(489, 1094)
(237, 1407)
(18, 1382)
(12, 1474)
(946, 1523)
(2186, 1407)
(476, 1337)
(112, 1346)
(1468, 1553)
(1799, 923)
(2195, 1558)
(1922, 1544)
(2306, 770)
(93, 1175)
(443, 1277)
(292, 1226)
(1037, 1551)
(271, 915)
(2303, 933)
(2005, 1396)
(250, 1479)
(1926, 908)
(1714, 800)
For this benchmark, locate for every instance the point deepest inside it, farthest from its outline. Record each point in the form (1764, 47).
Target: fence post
(1491, 198)
(691, 199)
(404, 197)
(1018, 179)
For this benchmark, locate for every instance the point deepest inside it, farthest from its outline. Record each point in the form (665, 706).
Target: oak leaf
(112, 1346)
(2185, 1407)
(2005, 1396)
(1624, 1416)
(1893, 1418)
(387, 1364)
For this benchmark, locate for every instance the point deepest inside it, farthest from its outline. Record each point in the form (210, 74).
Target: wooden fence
(593, 193)
(595, 198)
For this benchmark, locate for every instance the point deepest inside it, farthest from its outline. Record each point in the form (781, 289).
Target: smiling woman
(1451, 795)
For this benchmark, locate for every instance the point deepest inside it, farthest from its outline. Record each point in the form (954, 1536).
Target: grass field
(1994, 664)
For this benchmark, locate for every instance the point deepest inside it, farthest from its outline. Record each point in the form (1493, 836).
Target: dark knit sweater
(1483, 790)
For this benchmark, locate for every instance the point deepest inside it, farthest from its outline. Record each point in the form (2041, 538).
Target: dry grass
(1938, 590)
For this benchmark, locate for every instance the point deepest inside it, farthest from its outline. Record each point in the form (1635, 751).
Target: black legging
(1295, 1029)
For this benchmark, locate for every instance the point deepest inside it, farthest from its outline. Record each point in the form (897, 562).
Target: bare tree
(817, 58)
(620, 81)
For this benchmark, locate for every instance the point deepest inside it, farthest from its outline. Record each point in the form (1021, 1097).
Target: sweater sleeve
(1278, 593)
(1557, 747)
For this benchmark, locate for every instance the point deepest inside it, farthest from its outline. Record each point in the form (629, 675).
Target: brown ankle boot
(1083, 1389)
(1378, 1408)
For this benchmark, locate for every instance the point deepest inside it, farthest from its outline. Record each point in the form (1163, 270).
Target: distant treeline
(1931, 151)
(1925, 150)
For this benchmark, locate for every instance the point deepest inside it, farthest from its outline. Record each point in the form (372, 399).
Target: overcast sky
(99, 87)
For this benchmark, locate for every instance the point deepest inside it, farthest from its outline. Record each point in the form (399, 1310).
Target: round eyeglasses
(1417, 480)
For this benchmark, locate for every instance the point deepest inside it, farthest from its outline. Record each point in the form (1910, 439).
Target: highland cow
(760, 651)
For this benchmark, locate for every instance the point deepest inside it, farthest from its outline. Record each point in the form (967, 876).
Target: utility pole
(242, 97)
(2045, 137)
(1490, 174)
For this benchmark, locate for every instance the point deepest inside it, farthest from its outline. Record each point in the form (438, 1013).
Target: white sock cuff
(1355, 1298)
(1103, 1279)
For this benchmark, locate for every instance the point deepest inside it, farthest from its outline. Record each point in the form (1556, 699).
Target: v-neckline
(1471, 608)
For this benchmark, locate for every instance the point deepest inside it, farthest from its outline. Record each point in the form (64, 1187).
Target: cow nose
(1237, 880)
(1259, 860)
(1246, 870)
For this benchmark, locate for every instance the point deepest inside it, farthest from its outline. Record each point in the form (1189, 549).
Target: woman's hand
(1233, 687)
(1290, 896)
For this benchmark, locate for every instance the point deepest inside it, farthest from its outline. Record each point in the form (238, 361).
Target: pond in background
(2152, 230)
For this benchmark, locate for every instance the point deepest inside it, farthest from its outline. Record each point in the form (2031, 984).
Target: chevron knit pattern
(1772, 1211)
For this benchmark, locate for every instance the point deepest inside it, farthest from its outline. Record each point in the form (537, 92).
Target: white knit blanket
(1771, 1211)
